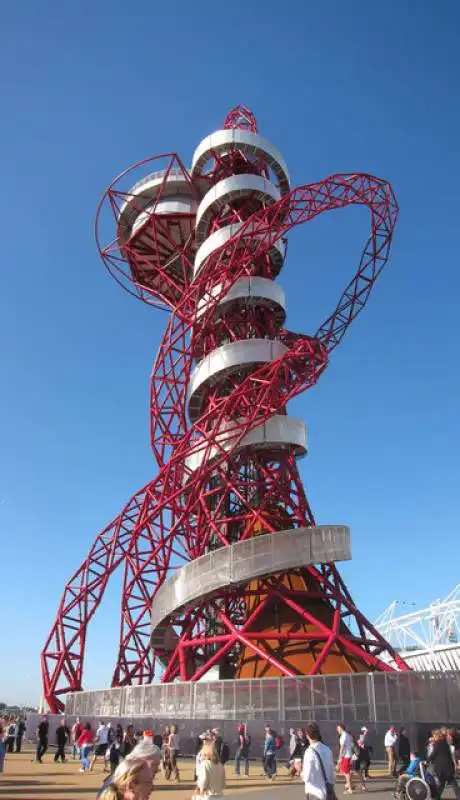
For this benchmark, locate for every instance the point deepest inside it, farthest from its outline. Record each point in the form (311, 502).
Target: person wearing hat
(364, 757)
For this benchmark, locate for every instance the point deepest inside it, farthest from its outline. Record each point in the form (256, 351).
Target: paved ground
(50, 781)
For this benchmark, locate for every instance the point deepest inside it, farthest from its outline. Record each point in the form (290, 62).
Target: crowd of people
(162, 755)
(106, 743)
(437, 765)
(133, 757)
(12, 730)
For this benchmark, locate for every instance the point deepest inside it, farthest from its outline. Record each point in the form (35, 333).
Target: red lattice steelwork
(206, 244)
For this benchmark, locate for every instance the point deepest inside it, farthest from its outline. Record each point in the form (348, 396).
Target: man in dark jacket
(42, 739)
(441, 763)
(62, 737)
(403, 751)
(20, 734)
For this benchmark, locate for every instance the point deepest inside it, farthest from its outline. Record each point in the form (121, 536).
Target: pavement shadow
(58, 790)
(7, 782)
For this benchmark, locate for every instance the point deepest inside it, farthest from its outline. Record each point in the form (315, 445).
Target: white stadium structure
(427, 639)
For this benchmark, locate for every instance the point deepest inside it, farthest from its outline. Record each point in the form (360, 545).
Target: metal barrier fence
(398, 697)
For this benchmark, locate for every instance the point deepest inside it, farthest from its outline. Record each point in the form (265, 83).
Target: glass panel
(256, 696)
(305, 696)
(242, 698)
(319, 691)
(201, 700)
(291, 694)
(270, 694)
(360, 690)
(347, 689)
(332, 686)
(133, 699)
(228, 700)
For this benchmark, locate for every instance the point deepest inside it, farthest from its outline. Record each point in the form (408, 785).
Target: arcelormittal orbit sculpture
(223, 540)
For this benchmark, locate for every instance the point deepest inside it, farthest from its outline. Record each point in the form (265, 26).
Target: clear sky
(88, 88)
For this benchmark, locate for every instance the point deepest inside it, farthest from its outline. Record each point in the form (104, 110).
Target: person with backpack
(11, 733)
(222, 747)
(297, 745)
(318, 767)
(270, 748)
(364, 757)
(242, 750)
(116, 749)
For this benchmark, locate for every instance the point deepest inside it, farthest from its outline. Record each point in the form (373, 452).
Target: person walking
(62, 737)
(298, 743)
(2, 746)
(102, 742)
(11, 734)
(218, 741)
(293, 742)
(441, 763)
(202, 738)
(20, 734)
(403, 750)
(76, 732)
(42, 739)
(302, 744)
(85, 745)
(129, 741)
(345, 754)
(390, 741)
(269, 754)
(242, 750)
(165, 750)
(318, 765)
(173, 746)
(364, 758)
(210, 772)
(116, 749)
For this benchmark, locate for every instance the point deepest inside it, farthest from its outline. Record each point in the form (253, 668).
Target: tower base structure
(297, 619)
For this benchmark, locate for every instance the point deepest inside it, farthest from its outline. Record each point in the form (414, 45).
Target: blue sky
(87, 89)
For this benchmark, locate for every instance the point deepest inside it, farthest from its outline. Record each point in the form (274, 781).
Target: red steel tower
(224, 566)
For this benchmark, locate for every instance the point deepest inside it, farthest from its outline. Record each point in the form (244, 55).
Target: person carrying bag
(318, 771)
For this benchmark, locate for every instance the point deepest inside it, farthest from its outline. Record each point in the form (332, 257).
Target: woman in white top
(210, 772)
(318, 765)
